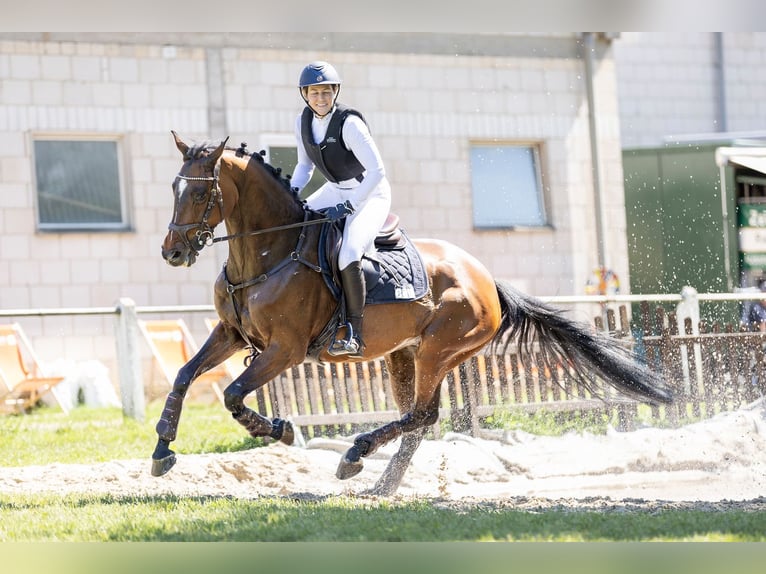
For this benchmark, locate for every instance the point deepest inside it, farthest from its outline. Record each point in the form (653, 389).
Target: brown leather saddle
(390, 235)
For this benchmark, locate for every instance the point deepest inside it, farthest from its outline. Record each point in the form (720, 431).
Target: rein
(205, 236)
(303, 223)
(205, 233)
(295, 255)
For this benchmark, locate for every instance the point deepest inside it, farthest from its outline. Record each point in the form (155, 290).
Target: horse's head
(198, 203)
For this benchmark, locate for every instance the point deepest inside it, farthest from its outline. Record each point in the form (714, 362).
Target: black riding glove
(339, 211)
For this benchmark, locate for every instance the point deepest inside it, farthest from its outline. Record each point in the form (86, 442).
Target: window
(506, 186)
(79, 184)
(282, 152)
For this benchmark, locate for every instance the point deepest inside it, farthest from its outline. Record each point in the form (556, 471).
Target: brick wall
(669, 84)
(424, 109)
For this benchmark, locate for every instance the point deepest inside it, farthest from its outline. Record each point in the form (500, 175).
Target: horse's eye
(199, 196)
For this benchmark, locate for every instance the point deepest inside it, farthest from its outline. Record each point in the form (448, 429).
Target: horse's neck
(262, 204)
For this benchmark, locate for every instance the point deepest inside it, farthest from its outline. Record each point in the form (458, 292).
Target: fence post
(689, 308)
(128, 359)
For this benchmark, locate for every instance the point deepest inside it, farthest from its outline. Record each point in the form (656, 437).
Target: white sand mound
(720, 459)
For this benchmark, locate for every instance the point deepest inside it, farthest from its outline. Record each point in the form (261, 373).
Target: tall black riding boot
(355, 291)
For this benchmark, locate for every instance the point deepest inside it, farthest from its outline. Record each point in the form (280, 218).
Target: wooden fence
(711, 369)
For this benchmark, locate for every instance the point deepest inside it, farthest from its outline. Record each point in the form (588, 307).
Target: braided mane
(206, 147)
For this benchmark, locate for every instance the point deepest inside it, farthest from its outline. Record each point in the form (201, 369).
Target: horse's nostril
(172, 255)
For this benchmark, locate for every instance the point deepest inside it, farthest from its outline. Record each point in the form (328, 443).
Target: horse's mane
(205, 147)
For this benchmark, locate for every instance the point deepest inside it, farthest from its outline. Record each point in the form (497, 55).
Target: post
(689, 308)
(129, 362)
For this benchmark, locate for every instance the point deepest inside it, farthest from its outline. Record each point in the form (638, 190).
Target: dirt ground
(717, 464)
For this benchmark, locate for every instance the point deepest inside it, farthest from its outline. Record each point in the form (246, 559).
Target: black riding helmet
(317, 73)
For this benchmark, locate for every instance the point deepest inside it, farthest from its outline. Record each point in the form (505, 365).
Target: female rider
(335, 138)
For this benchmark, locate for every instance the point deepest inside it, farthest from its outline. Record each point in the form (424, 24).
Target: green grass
(549, 423)
(90, 435)
(95, 435)
(209, 519)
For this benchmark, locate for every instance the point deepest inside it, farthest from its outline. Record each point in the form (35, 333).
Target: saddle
(394, 271)
(390, 236)
(395, 263)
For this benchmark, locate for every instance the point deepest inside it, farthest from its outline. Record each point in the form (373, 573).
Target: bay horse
(271, 299)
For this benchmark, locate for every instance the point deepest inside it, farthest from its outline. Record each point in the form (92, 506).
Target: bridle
(204, 234)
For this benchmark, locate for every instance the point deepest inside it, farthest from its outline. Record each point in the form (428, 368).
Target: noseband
(204, 234)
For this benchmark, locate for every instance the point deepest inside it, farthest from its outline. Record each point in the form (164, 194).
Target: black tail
(588, 352)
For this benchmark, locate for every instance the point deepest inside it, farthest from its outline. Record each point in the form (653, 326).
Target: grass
(95, 435)
(543, 422)
(108, 518)
(90, 435)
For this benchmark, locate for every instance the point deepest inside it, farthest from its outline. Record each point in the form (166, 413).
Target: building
(554, 110)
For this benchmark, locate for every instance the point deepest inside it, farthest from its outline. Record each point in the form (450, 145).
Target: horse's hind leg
(401, 366)
(367, 443)
(411, 427)
(392, 477)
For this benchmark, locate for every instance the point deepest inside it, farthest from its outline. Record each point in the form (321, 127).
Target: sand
(717, 463)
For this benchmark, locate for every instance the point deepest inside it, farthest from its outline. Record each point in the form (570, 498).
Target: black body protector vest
(330, 155)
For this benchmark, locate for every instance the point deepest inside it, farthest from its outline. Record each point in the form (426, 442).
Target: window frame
(537, 149)
(269, 140)
(125, 223)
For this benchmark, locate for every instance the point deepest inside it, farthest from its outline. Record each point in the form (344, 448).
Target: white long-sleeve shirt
(357, 139)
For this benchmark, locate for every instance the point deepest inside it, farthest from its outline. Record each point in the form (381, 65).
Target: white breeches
(363, 225)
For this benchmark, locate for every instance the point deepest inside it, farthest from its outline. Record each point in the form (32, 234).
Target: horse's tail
(588, 353)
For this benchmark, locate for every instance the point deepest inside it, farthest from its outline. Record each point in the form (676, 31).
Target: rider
(335, 138)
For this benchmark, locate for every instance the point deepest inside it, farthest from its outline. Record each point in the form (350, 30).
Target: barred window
(79, 184)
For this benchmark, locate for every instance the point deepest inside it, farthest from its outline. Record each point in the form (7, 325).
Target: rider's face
(320, 98)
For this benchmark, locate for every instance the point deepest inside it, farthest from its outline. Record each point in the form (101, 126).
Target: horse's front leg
(220, 345)
(270, 363)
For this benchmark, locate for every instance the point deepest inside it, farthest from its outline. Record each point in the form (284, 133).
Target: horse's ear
(216, 153)
(182, 147)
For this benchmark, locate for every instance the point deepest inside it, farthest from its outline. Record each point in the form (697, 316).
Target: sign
(751, 215)
(751, 219)
(752, 239)
(754, 261)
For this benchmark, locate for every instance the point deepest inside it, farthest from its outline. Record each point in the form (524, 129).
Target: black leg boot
(355, 291)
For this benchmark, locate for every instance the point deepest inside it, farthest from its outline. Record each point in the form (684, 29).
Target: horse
(271, 298)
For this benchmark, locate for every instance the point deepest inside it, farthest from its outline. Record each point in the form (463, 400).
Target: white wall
(424, 109)
(669, 85)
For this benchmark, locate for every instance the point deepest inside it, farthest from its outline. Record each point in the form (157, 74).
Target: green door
(676, 223)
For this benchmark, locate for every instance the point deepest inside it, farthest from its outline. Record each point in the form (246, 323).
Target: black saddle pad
(392, 275)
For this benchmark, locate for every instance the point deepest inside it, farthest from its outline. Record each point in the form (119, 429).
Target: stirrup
(345, 347)
(349, 346)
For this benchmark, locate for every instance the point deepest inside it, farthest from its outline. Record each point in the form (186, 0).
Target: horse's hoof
(288, 434)
(350, 465)
(163, 465)
(283, 431)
